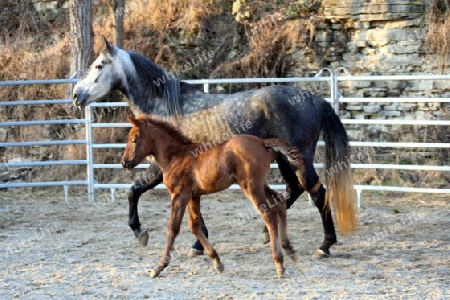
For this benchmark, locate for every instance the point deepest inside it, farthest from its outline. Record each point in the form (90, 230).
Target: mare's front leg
(195, 223)
(152, 178)
(179, 202)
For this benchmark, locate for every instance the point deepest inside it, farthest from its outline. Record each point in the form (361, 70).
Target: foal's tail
(284, 148)
(340, 192)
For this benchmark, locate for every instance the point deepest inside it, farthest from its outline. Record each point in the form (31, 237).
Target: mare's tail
(340, 192)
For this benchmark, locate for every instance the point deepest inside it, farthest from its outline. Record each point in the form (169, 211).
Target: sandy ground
(81, 250)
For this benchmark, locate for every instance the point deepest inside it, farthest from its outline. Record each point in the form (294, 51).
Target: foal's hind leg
(293, 187)
(271, 220)
(197, 247)
(282, 224)
(269, 215)
(196, 228)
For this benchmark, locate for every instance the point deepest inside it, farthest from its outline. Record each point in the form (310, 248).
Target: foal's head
(151, 137)
(137, 147)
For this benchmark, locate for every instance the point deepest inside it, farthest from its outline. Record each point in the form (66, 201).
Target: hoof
(220, 267)
(321, 254)
(143, 238)
(194, 252)
(280, 272)
(265, 238)
(293, 256)
(154, 273)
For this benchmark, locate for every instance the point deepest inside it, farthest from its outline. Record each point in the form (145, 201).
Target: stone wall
(381, 37)
(49, 10)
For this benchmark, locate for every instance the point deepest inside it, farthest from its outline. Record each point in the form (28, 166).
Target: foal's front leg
(196, 228)
(179, 203)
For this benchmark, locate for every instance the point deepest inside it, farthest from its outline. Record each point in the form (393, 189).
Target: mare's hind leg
(309, 179)
(282, 224)
(179, 203)
(293, 187)
(153, 177)
(269, 215)
(196, 228)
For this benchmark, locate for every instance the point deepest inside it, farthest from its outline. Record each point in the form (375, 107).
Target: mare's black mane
(158, 83)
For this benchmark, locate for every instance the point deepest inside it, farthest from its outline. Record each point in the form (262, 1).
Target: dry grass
(18, 22)
(269, 42)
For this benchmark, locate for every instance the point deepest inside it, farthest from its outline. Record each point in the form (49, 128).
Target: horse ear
(110, 48)
(133, 121)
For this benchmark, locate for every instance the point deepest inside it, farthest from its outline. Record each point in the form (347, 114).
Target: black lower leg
(327, 220)
(197, 245)
(152, 178)
(133, 216)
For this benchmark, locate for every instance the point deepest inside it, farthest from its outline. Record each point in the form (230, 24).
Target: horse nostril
(75, 96)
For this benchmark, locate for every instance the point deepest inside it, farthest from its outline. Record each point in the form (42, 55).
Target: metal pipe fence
(35, 143)
(335, 99)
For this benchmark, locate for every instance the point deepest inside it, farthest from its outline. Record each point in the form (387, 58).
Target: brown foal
(188, 174)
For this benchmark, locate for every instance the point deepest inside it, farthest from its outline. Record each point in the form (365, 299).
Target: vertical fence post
(336, 87)
(206, 87)
(334, 92)
(89, 154)
(333, 88)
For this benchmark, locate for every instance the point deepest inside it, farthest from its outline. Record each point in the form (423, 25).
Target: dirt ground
(82, 250)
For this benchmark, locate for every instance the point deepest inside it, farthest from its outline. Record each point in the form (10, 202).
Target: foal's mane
(167, 127)
(157, 82)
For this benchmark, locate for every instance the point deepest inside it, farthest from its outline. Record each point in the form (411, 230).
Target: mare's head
(105, 74)
(137, 147)
(140, 79)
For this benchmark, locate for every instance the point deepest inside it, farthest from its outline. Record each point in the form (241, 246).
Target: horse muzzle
(80, 99)
(127, 164)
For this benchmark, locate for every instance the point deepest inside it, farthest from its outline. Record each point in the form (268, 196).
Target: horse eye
(99, 67)
(134, 141)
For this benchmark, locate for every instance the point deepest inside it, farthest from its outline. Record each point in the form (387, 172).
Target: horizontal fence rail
(396, 122)
(399, 100)
(335, 99)
(44, 163)
(30, 164)
(42, 143)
